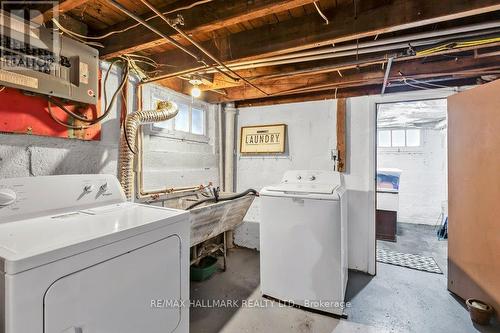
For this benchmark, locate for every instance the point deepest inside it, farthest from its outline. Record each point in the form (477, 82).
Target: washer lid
(29, 243)
(303, 188)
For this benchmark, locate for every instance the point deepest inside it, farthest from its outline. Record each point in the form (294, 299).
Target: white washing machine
(75, 257)
(303, 240)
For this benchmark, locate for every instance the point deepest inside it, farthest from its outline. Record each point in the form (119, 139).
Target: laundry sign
(263, 139)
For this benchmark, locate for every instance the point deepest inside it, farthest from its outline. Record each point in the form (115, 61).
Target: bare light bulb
(195, 92)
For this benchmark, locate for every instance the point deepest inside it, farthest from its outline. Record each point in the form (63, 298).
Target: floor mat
(413, 261)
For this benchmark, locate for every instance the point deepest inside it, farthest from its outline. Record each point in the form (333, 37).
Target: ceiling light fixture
(195, 91)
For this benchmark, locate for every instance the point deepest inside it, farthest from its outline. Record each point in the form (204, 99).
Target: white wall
(172, 160)
(307, 147)
(168, 162)
(423, 183)
(311, 135)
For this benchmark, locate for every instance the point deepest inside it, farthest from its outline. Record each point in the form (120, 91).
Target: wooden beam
(311, 96)
(63, 7)
(341, 134)
(374, 75)
(310, 31)
(344, 93)
(200, 19)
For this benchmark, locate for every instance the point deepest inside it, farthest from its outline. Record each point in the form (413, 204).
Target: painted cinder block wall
(168, 162)
(315, 135)
(311, 136)
(423, 183)
(177, 161)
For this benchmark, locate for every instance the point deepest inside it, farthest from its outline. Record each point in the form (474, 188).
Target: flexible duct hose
(217, 199)
(164, 111)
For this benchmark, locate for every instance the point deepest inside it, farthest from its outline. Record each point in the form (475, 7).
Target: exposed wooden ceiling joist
(416, 69)
(201, 19)
(331, 94)
(310, 31)
(63, 7)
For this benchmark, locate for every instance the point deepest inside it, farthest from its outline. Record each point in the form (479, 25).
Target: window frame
(405, 147)
(156, 93)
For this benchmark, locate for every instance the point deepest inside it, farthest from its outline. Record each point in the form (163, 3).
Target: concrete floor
(419, 239)
(397, 299)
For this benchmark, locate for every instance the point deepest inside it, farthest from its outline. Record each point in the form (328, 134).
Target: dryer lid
(34, 242)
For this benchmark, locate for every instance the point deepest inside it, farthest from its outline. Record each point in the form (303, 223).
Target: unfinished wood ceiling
(285, 51)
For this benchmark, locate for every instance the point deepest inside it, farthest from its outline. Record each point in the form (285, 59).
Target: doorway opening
(411, 193)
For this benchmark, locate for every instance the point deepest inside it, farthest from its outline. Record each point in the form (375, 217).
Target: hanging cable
(457, 45)
(320, 12)
(58, 24)
(199, 47)
(62, 123)
(90, 122)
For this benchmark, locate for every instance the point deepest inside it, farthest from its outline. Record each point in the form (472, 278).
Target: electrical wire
(202, 49)
(69, 32)
(108, 108)
(75, 35)
(125, 135)
(320, 12)
(457, 45)
(428, 83)
(62, 123)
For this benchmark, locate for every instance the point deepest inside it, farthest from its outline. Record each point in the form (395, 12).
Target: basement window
(190, 124)
(398, 138)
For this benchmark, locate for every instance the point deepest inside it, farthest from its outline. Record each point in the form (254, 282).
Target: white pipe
(229, 140)
(221, 143)
(230, 116)
(386, 43)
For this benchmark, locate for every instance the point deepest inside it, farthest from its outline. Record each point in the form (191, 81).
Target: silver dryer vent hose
(164, 111)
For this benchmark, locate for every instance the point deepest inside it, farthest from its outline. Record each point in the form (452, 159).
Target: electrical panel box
(42, 61)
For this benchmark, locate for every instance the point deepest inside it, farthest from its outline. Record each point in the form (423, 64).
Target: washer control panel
(37, 196)
(312, 176)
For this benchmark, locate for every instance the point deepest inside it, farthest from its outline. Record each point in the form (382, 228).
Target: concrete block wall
(168, 162)
(307, 147)
(311, 136)
(176, 161)
(423, 185)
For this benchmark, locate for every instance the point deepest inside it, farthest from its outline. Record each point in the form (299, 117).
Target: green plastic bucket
(204, 270)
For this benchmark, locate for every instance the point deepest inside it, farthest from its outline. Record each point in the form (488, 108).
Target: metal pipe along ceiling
(153, 29)
(203, 50)
(335, 53)
(378, 45)
(381, 42)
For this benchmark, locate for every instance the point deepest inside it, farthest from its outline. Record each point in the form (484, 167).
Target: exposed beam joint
(205, 18)
(309, 31)
(63, 7)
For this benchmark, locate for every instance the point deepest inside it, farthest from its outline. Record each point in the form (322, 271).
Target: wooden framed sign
(263, 139)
